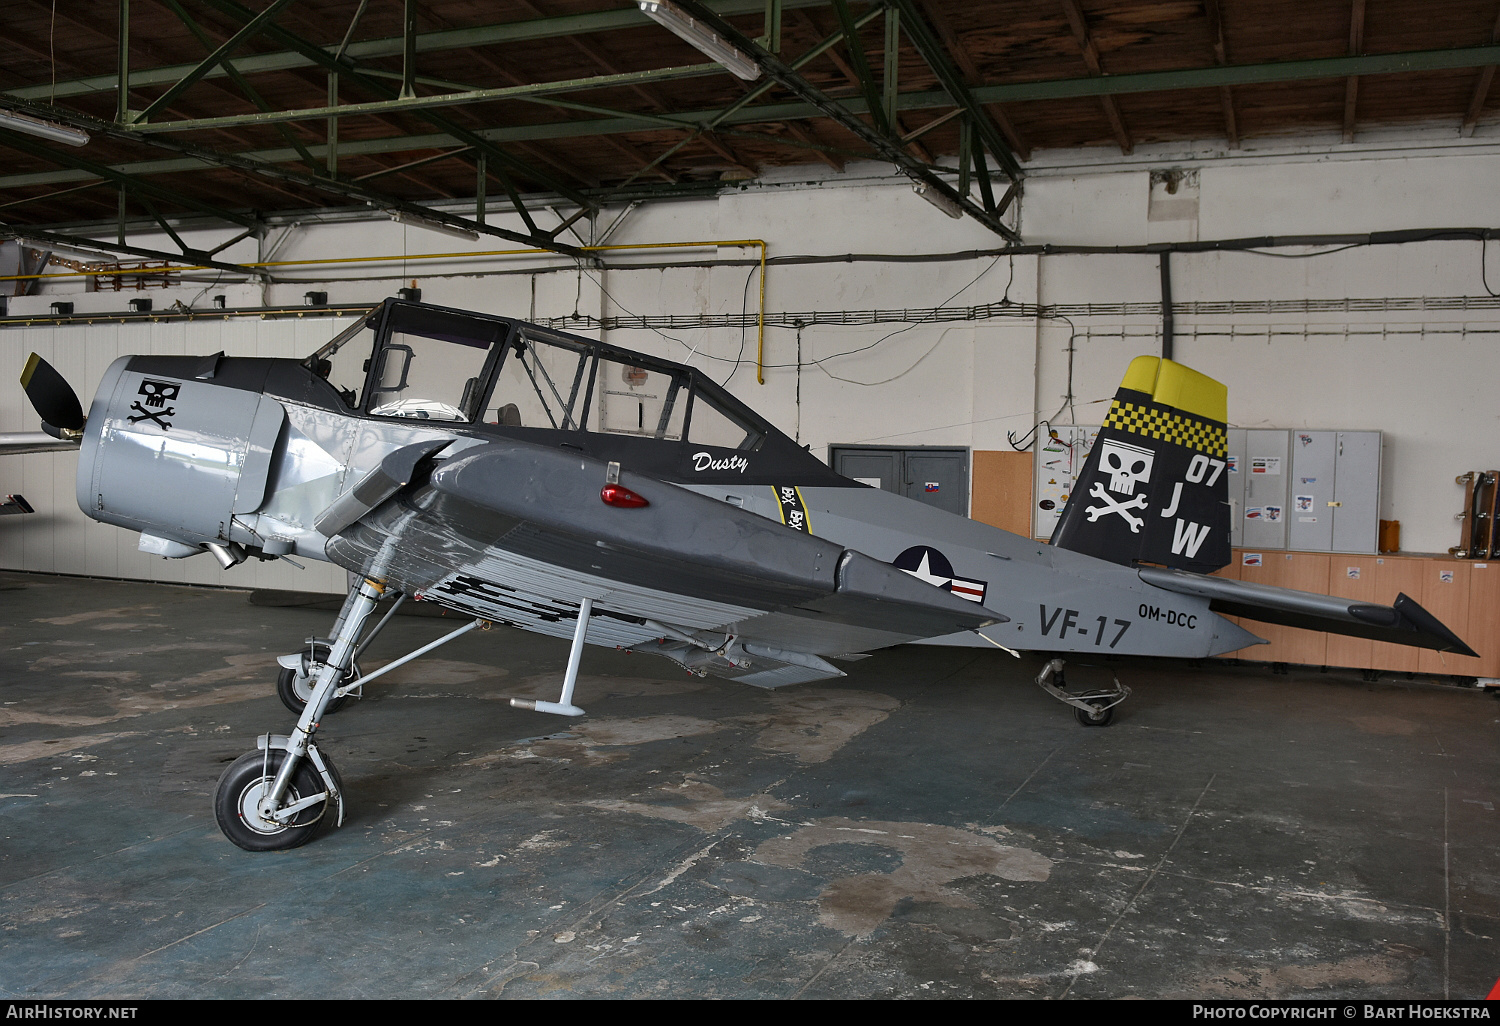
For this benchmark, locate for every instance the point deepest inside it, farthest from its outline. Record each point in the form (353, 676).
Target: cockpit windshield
(424, 363)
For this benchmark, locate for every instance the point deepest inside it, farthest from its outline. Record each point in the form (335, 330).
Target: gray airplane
(526, 476)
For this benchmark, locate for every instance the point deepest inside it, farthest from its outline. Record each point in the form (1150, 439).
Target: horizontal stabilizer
(1404, 622)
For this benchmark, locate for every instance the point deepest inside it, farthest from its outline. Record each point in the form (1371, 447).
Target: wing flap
(1404, 622)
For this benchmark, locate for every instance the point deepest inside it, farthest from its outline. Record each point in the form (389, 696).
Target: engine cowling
(175, 457)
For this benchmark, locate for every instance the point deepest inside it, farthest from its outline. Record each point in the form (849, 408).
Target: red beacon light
(619, 495)
(615, 494)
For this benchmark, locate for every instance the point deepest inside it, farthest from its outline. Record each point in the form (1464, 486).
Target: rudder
(1155, 487)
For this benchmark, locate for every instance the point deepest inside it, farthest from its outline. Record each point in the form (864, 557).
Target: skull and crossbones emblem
(1113, 505)
(157, 394)
(1127, 465)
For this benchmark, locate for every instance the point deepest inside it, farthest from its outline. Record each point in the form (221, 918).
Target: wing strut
(564, 705)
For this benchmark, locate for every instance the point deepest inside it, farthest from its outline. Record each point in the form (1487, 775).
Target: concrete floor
(932, 825)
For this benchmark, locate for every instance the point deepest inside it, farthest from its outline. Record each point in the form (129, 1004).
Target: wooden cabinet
(1394, 575)
(1301, 571)
(1445, 594)
(1483, 631)
(1353, 577)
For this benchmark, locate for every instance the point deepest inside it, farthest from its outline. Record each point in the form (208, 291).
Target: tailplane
(1155, 487)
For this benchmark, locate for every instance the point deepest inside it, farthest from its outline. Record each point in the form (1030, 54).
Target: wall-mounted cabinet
(1309, 491)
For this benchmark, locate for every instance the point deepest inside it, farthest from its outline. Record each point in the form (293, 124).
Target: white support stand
(564, 705)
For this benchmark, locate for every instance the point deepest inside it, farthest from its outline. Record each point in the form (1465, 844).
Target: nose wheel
(239, 810)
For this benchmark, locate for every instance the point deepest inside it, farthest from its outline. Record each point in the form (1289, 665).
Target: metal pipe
(760, 345)
(230, 555)
(388, 667)
(1166, 305)
(575, 654)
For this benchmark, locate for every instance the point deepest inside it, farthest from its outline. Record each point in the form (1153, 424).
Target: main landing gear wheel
(237, 798)
(294, 687)
(1098, 715)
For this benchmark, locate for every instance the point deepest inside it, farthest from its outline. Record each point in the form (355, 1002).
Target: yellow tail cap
(1182, 388)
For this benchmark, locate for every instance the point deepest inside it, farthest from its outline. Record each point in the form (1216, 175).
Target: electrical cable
(744, 313)
(1484, 279)
(819, 363)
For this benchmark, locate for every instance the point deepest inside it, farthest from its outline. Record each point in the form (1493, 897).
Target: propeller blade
(51, 395)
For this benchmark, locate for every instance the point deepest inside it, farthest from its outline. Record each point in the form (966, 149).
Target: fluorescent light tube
(46, 129)
(687, 28)
(937, 199)
(416, 221)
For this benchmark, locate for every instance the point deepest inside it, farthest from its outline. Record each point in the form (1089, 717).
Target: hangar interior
(924, 228)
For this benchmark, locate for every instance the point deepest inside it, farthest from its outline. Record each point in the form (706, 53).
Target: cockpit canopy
(414, 361)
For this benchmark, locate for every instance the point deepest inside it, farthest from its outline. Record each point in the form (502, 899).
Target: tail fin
(1155, 487)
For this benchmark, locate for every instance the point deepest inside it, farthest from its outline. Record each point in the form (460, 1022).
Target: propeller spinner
(52, 398)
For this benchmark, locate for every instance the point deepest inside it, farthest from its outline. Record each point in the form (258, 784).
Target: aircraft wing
(17, 442)
(1404, 622)
(520, 533)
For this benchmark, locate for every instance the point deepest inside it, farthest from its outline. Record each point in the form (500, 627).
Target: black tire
(1099, 717)
(237, 791)
(294, 689)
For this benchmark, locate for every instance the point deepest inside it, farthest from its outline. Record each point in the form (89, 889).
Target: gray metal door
(1309, 516)
(878, 468)
(1266, 474)
(1356, 489)
(1236, 487)
(937, 477)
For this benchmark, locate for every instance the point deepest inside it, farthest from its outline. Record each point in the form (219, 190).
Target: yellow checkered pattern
(1154, 422)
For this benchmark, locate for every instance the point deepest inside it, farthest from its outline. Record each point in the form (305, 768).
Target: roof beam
(346, 66)
(26, 144)
(254, 27)
(1018, 92)
(57, 239)
(654, 100)
(972, 75)
(1090, 52)
(1221, 55)
(261, 170)
(931, 48)
(778, 71)
(394, 46)
(863, 77)
(1481, 89)
(804, 21)
(400, 105)
(239, 80)
(1351, 84)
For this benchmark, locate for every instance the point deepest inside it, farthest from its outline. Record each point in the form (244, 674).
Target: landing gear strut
(282, 794)
(1092, 708)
